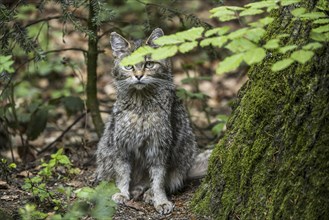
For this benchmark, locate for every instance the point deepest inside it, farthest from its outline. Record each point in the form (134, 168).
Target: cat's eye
(149, 65)
(129, 67)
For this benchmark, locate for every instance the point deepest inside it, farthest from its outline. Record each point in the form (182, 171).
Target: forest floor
(12, 197)
(81, 153)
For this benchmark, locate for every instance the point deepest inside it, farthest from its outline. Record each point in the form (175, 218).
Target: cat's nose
(139, 77)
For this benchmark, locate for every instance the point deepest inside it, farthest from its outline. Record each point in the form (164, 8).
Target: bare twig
(62, 135)
(43, 19)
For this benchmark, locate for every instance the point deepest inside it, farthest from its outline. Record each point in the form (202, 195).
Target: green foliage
(37, 123)
(96, 203)
(245, 42)
(6, 63)
(6, 169)
(73, 104)
(219, 126)
(186, 38)
(25, 37)
(87, 201)
(37, 185)
(29, 212)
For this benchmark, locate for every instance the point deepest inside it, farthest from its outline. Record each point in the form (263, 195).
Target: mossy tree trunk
(273, 162)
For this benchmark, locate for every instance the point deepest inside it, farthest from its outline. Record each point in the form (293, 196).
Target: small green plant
(38, 185)
(6, 168)
(95, 203)
(30, 212)
(218, 128)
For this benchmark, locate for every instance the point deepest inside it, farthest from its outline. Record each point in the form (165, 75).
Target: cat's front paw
(120, 198)
(164, 208)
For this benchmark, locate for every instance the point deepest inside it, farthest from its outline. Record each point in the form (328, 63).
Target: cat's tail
(200, 165)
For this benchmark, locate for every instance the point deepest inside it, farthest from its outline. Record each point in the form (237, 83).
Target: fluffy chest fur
(142, 125)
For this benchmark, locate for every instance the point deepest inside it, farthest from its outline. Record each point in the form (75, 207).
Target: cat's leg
(122, 170)
(160, 200)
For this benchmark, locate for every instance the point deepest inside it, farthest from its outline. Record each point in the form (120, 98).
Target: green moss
(273, 161)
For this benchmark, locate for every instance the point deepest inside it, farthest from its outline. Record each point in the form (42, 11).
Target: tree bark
(92, 55)
(273, 162)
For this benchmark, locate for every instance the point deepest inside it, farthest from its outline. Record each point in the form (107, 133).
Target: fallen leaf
(9, 197)
(3, 185)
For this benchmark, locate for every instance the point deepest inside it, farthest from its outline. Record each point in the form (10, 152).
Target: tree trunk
(273, 162)
(92, 101)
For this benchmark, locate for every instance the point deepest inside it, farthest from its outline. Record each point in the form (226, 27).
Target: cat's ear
(119, 44)
(158, 32)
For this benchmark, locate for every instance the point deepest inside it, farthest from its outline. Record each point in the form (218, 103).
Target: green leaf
(218, 128)
(84, 193)
(254, 55)
(180, 37)
(313, 15)
(12, 165)
(137, 56)
(6, 63)
(318, 37)
(262, 22)
(312, 46)
(255, 34)
(321, 29)
(214, 41)
(191, 34)
(169, 39)
(219, 31)
(240, 45)
(302, 56)
(282, 64)
(224, 18)
(37, 123)
(188, 46)
(226, 8)
(272, 44)
(221, 11)
(282, 36)
(321, 21)
(230, 63)
(251, 11)
(234, 8)
(164, 52)
(64, 160)
(287, 48)
(238, 33)
(262, 4)
(73, 104)
(298, 12)
(289, 2)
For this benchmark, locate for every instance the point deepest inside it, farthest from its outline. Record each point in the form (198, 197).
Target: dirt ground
(13, 197)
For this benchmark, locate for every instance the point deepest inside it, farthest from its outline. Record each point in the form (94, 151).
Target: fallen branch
(62, 135)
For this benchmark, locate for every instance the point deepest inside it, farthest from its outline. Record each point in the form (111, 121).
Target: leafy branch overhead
(246, 44)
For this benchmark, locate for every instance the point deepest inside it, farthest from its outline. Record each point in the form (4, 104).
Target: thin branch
(43, 19)
(62, 135)
(65, 49)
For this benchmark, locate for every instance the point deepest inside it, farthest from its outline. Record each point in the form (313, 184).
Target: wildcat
(148, 146)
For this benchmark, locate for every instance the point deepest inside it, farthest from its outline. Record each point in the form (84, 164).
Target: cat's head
(144, 74)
